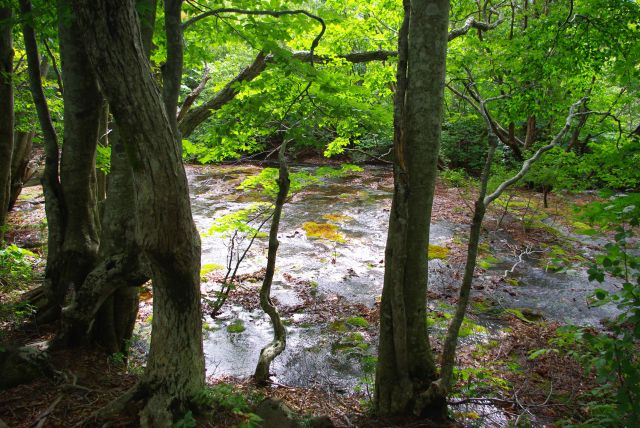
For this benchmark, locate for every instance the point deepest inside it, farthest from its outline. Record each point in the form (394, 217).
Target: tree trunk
(406, 367)
(54, 202)
(279, 342)
(82, 107)
(6, 114)
(167, 236)
(106, 307)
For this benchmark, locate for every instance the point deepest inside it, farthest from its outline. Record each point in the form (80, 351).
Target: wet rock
(276, 414)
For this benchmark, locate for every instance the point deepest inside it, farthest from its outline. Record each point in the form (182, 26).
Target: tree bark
(167, 236)
(6, 113)
(405, 366)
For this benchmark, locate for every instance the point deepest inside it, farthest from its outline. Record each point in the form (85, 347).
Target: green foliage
(15, 266)
(103, 158)
(612, 355)
(477, 381)
(267, 182)
(463, 144)
(456, 178)
(244, 221)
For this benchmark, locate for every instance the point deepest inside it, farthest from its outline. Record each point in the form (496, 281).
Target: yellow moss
(324, 231)
(337, 218)
(438, 252)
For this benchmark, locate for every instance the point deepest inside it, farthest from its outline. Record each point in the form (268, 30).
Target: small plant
(15, 266)
(225, 397)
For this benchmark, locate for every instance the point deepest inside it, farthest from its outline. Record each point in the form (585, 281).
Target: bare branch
(471, 22)
(529, 162)
(195, 93)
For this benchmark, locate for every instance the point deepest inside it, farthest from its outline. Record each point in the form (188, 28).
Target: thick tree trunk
(105, 308)
(82, 107)
(6, 113)
(405, 365)
(166, 232)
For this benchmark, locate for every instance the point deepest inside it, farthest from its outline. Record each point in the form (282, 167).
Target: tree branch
(471, 22)
(195, 93)
(529, 162)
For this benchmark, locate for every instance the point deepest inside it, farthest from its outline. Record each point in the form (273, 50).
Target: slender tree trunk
(6, 113)
(279, 342)
(54, 202)
(406, 367)
(167, 234)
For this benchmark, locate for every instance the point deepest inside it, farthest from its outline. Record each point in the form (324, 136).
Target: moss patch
(236, 326)
(208, 268)
(488, 262)
(324, 231)
(438, 252)
(358, 322)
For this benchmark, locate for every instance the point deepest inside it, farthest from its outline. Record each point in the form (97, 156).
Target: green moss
(338, 326)
(208, 268)
(525, 314)
(438, 252)
(469, 328)
(324, 231)
(236, 326)
(358, 322)
(487, 262)
(583, 228)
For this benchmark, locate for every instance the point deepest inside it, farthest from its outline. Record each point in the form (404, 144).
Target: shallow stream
(341, 275)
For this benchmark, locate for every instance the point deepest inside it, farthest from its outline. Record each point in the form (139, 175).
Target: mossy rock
(324, 231)
(527, 315)
(358, 322)
(438, 252)
(236, 326)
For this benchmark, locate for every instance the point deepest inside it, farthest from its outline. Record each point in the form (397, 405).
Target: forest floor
(499, 382)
